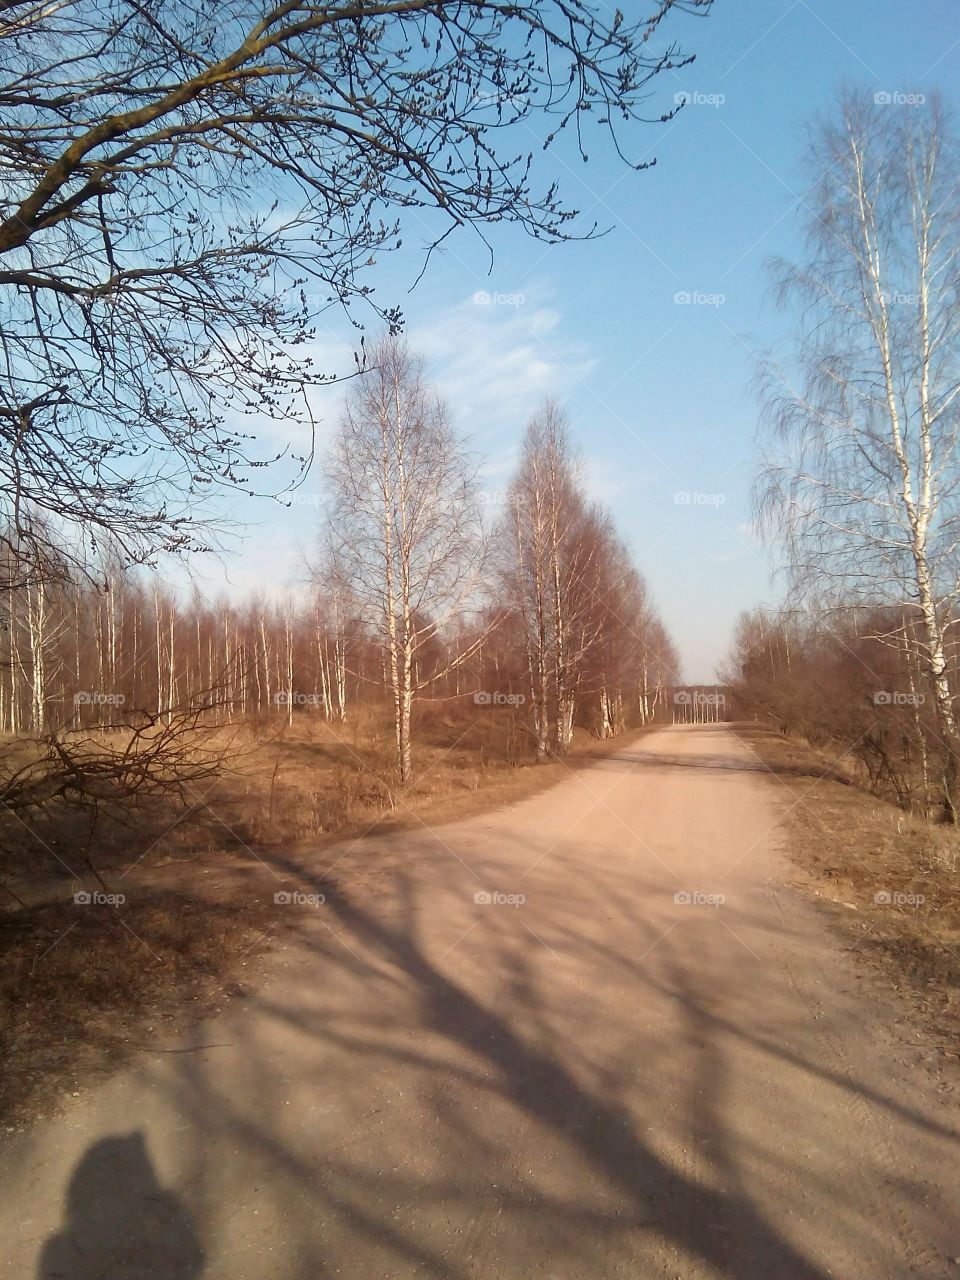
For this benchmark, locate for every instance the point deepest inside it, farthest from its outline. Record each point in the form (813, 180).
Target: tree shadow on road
(723, 764)
(722, 1232)
(453, 1093)
(432, 1087)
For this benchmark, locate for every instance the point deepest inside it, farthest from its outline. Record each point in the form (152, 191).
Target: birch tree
(549, 558)
(404, 530)
(590, 634)
(861, 478)
(526, 541)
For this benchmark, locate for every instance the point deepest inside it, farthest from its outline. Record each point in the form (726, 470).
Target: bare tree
(548, 563)
(186, 187)
(588, 628)
(404, 525)
(526, 570)
(861, 478)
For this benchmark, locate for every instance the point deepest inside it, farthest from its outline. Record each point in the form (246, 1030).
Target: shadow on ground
(119, 1220)
(585, 1084)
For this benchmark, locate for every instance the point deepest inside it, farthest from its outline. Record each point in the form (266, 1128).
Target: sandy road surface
(601, 1081)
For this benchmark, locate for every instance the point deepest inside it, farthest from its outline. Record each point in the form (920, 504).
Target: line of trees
(545, 607)
(699, 704)
(854, 684)
(76, 654)
(586, 634)
(414, 598)
(860, 484)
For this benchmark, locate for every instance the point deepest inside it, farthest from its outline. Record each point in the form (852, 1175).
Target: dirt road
(641, 1056)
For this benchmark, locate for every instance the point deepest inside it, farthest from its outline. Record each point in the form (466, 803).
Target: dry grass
(83, 986)
(891, 879)
(296, 786)
(318, 780)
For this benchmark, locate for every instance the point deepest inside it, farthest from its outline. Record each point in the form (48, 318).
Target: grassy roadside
(890, 881)
(83, 986)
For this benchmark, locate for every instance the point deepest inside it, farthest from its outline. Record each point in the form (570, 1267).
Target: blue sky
(657, 390)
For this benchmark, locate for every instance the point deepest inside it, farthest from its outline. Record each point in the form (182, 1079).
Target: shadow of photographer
(120, 1221)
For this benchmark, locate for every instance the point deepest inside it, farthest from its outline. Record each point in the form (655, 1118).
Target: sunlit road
(641, 1056)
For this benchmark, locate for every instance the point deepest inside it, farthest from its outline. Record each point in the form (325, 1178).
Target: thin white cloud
(493, 362)
(496, 361)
